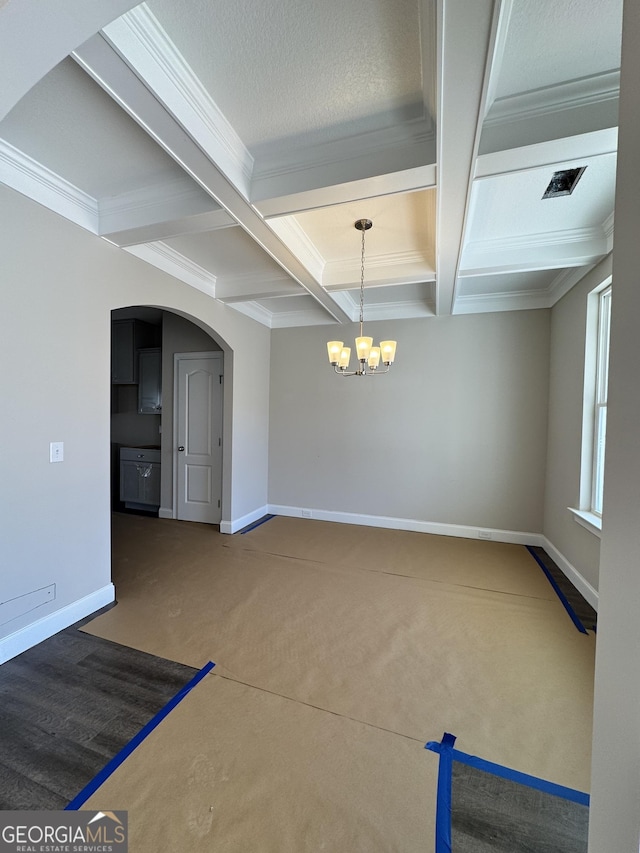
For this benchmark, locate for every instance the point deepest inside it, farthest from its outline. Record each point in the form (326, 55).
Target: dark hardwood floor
(580, 606)
(69, 705)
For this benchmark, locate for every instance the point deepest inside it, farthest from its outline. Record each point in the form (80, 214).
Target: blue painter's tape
(521, 778)
(574, 618)
(255, 524)
(443, 801)
(136, 740)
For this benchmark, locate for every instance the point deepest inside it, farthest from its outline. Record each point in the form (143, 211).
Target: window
(600, 405)
(594, 420)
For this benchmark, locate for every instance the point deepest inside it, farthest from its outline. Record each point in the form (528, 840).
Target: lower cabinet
(140, 477)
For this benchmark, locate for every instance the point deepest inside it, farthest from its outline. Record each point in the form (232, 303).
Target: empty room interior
(319, 325)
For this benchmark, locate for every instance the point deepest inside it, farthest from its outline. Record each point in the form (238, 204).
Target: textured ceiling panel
(549, 43)
(225, 252)
(290, 68)
(68, 124)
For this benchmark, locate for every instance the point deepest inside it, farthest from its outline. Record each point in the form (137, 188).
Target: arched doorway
(149, 473)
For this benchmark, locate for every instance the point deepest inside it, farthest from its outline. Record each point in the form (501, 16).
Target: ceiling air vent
(563, 183)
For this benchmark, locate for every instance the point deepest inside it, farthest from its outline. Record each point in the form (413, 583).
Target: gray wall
(568, 329)
(456, 433)
(615, 784)
(59, 287)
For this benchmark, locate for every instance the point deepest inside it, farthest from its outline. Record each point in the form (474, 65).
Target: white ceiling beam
(466, 41)
(141, 41)
(129, 89)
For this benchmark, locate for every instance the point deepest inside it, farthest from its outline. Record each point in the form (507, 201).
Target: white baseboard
(165, 512)
(238, 523)
(29, 636)
(438, 528)
(515, 537)
(581, 584)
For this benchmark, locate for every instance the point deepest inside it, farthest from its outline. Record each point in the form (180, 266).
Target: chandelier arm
(360, 372)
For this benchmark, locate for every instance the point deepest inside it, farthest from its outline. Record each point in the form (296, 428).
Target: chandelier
(369, 357)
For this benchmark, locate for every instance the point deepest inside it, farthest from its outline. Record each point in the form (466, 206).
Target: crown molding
(400, 310)
(538, 240)
(171, 200)
(525, 299)
(495, 302)
(181, 189)
(502, 13)
(279, 158)
(296, 239)
(295, 319)
(347, 303)
(142, 42)
(37, 182)
(428, 23)
(551, 153)
(165, 258)
(255, 311)
(575, 94)
(247, 287)
(565, 281)
(608, 228)
(391, 268)
(282, 319)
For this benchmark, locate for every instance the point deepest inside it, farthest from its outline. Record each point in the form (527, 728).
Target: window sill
(592, 522)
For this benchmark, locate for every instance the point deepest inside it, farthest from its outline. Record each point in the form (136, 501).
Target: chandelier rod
(362, 225)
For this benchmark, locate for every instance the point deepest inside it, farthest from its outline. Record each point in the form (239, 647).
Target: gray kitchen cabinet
(150, 381)
(127, 337)
(140, 477)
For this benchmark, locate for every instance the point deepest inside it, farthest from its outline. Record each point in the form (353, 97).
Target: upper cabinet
(127, 337)
(150, 381)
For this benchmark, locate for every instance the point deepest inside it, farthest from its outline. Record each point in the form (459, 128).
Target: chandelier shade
(368, 356)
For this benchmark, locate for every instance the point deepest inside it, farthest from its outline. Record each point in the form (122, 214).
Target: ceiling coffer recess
(564, 182)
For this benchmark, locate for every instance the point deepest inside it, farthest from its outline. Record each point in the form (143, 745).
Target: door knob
(181, 448)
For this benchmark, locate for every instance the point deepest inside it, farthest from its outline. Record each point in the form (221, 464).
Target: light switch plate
(56, 451)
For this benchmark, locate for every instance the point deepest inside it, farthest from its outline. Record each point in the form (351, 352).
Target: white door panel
(198, 378)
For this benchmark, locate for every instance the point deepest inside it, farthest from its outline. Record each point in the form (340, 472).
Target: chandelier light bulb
(345, 355)
(334, 349)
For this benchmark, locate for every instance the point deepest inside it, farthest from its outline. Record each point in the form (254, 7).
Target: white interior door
(198, 436)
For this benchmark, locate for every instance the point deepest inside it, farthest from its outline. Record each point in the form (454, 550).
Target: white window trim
(584, 513)
(590, 520)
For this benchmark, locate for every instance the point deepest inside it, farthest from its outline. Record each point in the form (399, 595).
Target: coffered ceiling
(234, 144)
